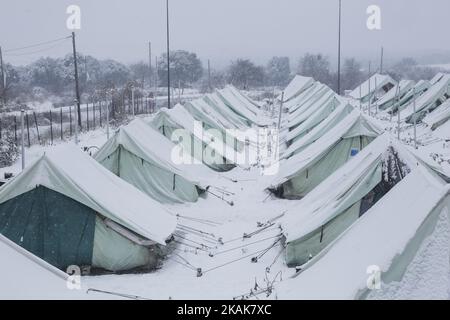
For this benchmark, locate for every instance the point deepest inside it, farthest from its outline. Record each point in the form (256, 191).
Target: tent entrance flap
(50, 225)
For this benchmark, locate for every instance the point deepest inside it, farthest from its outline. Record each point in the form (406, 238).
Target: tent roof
(296, 87)
(145, 142)
(318, 131)
(403, 87)
(321, 204)
(381, 81)
(388, 236)
(353, 125)
(438, 116)
(217, 103)
(69, 171)
(307, 98)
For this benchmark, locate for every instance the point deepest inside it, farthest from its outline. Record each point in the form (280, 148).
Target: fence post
(93, 112)
(28, 130)
(87, 116)
(76, 123)
(0, 127)
(15, 129)
(51, 128)
(37, 127)
(100, 110)
(23, 138)
(70, 120)
(107, 120)
(61, 123)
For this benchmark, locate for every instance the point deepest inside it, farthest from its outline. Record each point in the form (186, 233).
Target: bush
(8, 150)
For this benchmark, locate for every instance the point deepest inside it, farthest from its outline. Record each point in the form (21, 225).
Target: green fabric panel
(154, 181)
(310, 178)
(299, 252)
(51, 226)
(114, 252)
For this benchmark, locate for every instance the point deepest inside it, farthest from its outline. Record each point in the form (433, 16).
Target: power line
(37, 44)
(32, 52)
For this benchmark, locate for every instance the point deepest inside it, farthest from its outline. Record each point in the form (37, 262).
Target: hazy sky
(223, 30)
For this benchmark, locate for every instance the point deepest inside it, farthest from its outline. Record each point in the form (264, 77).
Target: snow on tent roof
(438, 116)
(338, 191)
(427, 100)
(317, 132)
(206, 113)
(389, 98)
(388, 236)
(148, 144)
(362, 91)
(355, 124)
(296, 87)
(216, 102)
(325, 103)
(69, 171)
(236, 105)
(183, 119)
(443, 131)
(245, 99)
(303, 101)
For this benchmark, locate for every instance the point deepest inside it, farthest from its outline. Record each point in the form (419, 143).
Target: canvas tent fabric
(216, 103)
(143, 157)
(343, 197)
(239, 106)
(67, 195)
(416, 91)
(398, 91)
(302, 172)
(439, 116)
(367, 89)
(199, 143)
(296, 87)
(318, 131)
(428, 101)
(308, 98)
(388, 236)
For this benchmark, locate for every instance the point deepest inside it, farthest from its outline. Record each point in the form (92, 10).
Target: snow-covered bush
(8, 150)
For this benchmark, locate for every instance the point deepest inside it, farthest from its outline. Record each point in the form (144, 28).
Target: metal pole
(375, 94)
(150, 65)
(107, 119)
(77, 87)
(168, 55)
(281, 111)
(381, 62)
(398, 112)
(132, 101)
(76, 123)
(360, 97)
(2, 80)
(370, 66)
(22, 127)
(415, 121)
(339, 50)
(209, 76)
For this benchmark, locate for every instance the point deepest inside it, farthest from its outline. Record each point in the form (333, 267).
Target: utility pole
(168, 55)
(209, 76)
(77, 87)
(415, 119)
(22, 144)
(150, 65)
(2, 81)
(339, 50)
(370, 96)
(381, 61)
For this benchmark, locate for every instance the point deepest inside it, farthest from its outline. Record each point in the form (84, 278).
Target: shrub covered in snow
(8, 150)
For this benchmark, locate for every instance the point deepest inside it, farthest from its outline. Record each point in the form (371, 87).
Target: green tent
(302, 172)
(68, 210)
(141, 156)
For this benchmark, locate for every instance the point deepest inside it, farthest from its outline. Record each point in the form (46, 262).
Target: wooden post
(22, 112)
(37, 127)
(51, 128)
(61, 122)
(100, 112)
(70, 120)
(15, 129)
(415, 120)
(28, 130)
(87, 116)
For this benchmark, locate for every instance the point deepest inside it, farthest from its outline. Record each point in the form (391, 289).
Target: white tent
(388, 238)
(296, 87)
(146, 159)
(367, 89)
(397, 92)
(439, 116)
(318, 131)
(302, 172)
(216, 103)
(104, 221)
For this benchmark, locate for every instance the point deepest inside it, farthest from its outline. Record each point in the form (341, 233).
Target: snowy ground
(227, 269)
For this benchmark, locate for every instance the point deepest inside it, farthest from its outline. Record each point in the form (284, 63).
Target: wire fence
(58, 124)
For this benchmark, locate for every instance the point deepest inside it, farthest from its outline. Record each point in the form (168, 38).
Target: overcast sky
(222, 30)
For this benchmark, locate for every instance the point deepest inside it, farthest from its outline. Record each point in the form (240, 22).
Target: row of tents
(107, 213)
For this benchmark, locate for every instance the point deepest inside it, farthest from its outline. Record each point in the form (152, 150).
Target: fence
(59, 124)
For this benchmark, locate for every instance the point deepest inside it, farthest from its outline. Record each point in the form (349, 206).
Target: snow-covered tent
(397, 92)
(304, 101)
(199, 143)
(296, 87)
(439, 116)
(393, 238)
(69, 210)
(143, 157)
(418, 89)
(428, 101)
(302, 172)
(342, 111)
(343, 197)
(368, 89)
(216, 103)
(239, 104)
